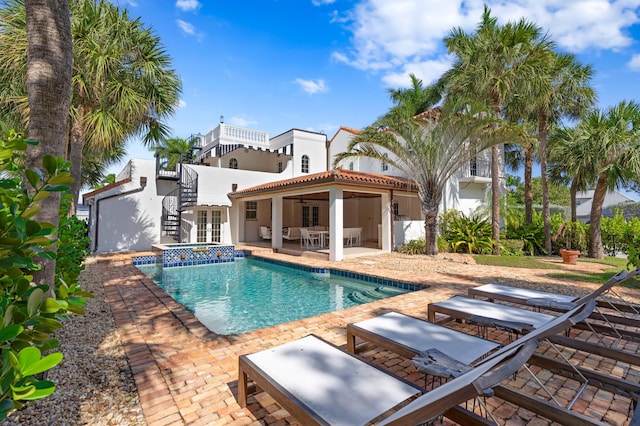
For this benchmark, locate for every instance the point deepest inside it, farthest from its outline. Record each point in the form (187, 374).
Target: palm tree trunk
(495, 199)
(596, 249)
(528, 192)
(76, 147)
(49, 62)
(573, 192)
(546, 213)
(430, 211)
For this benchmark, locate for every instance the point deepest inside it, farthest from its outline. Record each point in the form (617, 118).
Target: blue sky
(273, 65)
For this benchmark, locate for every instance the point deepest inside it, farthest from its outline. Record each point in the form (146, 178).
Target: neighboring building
(584, 201)
(243, 180)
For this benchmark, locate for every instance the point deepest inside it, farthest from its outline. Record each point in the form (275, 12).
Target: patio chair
(265, 233)
(628, 312)
(318, 383)
(308, 240)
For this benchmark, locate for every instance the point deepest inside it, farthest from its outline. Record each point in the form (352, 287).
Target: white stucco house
(243, 180)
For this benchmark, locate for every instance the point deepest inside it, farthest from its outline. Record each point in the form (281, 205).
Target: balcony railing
(475, 168)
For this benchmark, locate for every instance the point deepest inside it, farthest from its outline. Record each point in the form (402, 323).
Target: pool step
(391, 291)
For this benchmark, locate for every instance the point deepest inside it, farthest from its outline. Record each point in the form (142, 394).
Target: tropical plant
(123, 83)
(172, 151)
(28, 315)
(613, 234)
(428, 148)
(470, 234)
(612, 139)
(413, 247)
(566, 92)
(490, 65)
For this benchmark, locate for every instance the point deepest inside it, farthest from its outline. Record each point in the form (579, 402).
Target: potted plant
(569, 256)
(568, 232)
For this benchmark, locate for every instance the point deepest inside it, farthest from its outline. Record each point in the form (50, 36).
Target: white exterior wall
(130, 221)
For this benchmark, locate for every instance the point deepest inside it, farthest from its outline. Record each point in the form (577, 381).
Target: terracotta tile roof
(338, 175)
(105, 188)
(346, 129)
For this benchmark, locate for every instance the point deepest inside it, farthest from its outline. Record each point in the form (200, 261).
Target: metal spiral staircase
(179, 200)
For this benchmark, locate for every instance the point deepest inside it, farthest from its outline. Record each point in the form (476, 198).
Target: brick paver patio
(186, 374)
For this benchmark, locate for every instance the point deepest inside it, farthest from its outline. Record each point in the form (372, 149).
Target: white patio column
(276, 222)
(336, 224)
(235, 221)
(386, 217)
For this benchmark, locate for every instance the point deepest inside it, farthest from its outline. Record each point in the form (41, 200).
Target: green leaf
(31, 211)
(22, 392)
(50, 164)
(43, 388)
(34, 301)
(50, 306)
(6, 405)
(56, 188)
(31, 363)
(40, 196)
(32, 177)
(8, 316)
(10, 332)
(61, 179)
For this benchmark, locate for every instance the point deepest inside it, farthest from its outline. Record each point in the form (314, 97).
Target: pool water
(245, 295)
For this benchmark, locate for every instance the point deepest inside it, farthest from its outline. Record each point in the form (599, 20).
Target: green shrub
(73, 245)
(27, 315)
(469, 235)
(511, 247)
(414, 247)
(613, 230)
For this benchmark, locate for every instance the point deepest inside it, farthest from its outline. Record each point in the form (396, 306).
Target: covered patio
(339, 212)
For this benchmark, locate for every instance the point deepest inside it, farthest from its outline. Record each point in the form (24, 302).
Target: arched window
(351, 165)
(385, 166)
(305, 164)
(233, 163)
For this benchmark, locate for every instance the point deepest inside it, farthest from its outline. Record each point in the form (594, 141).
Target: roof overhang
(324, 180)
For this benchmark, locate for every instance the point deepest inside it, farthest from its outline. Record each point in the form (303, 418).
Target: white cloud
(182, 104)
(428, 71)
(634, 63)
(395, 37)
(242, 121)
(188, 5)
(186, 27)
(322, 2)
(312, 87)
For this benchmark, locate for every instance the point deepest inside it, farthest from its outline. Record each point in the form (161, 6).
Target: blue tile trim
(196, 254)
(354, 275)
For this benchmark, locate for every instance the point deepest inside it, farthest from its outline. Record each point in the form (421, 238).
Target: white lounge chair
(626, 313)
(320, 384)
(522, 320)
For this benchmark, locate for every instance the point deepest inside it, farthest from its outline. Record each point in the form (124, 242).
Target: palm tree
(415, 99)
(428, 148)
(489, 65)
(566, 94)
(570, 162)
(174, 150)
(48, 85)
(123, 83)
(612, 140)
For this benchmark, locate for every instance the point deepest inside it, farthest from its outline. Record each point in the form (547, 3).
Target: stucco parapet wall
(348, 177)
(105, 189)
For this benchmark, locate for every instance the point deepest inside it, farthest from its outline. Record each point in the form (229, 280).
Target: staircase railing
(179, 200)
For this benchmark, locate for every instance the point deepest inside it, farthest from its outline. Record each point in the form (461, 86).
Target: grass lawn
(530, 262)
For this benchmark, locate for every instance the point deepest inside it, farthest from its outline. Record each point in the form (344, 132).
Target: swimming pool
(248, 294)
